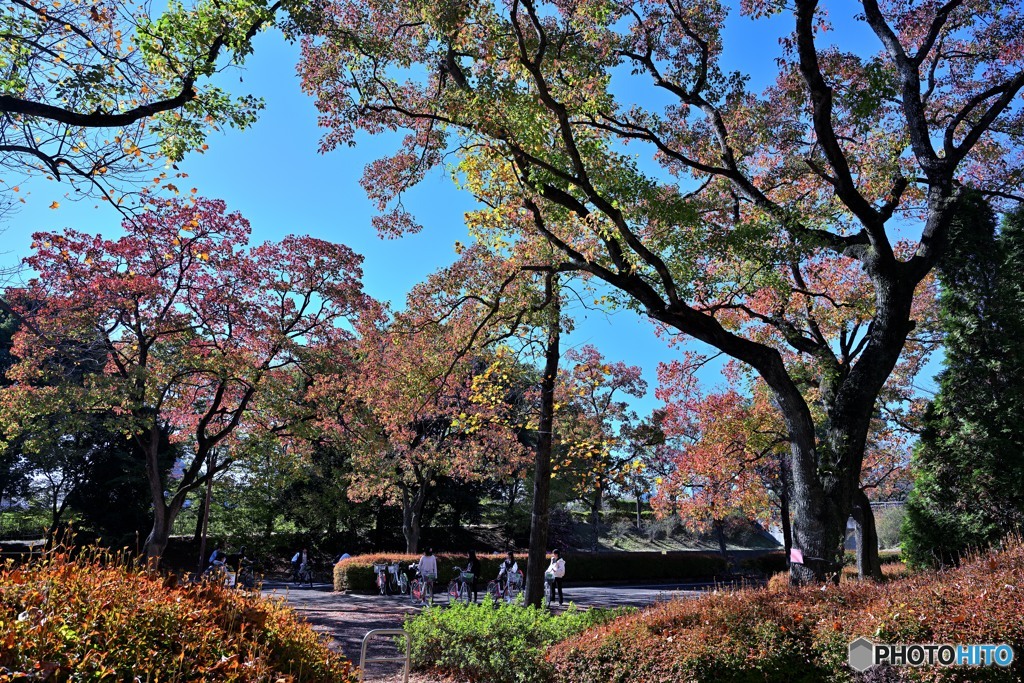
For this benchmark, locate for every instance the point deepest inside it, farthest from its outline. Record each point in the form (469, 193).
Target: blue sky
(273, 174)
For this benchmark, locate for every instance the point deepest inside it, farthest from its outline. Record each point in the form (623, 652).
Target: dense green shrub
(790, 635)
(355, 574)
(496, 643)
(96, 618)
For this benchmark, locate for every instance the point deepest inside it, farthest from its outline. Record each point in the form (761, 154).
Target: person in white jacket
(428, 566)
(557, 570)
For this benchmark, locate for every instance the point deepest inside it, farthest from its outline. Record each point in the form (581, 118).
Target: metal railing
(363, 661)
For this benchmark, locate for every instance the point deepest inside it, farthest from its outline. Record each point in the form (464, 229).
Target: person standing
(428, 573)
(557, 570)
(473, 567)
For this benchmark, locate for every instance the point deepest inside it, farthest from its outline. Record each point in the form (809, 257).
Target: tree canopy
(843, 175)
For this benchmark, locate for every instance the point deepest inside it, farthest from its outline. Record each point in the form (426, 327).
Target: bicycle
(421, 588)
(549, 581)
(215, 573)
(246, 576)
(381, 570)
(458, 588)
(507, 589)
(403, 579)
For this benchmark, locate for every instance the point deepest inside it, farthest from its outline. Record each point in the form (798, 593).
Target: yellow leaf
(55, 205)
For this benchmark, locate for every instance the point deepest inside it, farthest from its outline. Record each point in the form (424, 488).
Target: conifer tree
(969, 466)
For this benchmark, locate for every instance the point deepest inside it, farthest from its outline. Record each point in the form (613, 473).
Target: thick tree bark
(787, 529)
(540, 516)
(595, 516)
(412, 517)
(868, 564)
(722, 547)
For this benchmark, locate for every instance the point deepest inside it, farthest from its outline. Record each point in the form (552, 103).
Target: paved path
(347, 617)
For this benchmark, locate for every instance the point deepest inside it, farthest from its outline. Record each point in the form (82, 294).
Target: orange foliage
(94, 618)
(802, 634)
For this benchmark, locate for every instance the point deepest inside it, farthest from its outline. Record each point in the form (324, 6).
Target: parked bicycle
(381, 571)
(549, 582)
(506, 587)
(403, 579)
(421, 587)
(390, 579)
(458, 588)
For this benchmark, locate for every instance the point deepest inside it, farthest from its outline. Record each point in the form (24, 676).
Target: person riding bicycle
(473, 567)
(238, 560)
(508, 568)
(218, 558)
(299, 560)
(241, 564)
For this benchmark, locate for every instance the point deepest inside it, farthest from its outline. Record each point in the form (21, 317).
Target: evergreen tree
(969, 465)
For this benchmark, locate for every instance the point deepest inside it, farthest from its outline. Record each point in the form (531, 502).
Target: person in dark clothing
(473, 566)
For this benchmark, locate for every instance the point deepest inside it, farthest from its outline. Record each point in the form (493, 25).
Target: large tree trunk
(412, 517)
(540, 516)
(159, 535)
(868, 564)
(638, 510)
(787, 529)
(722, 547)
(595, 516)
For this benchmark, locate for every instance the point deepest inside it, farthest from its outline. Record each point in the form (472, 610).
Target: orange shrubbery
(94, 618)
(792, 635)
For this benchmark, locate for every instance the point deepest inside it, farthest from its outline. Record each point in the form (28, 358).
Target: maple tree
(198, 335)
(727, 451)
(409, 417)
(508, 299)
(842, 155)
(95, 92)
(591, 423)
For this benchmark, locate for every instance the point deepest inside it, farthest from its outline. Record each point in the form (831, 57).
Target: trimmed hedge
(767, 564)
(355, 574)
(95, 618)
(793, 635)
(495, 643)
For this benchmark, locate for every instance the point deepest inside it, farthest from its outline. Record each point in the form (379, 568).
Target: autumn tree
(730, 447)
(842, 153)
(507, 296)
(409, 417)
(198, 334)
(95, 92)
(727, 448)
(592, 421)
